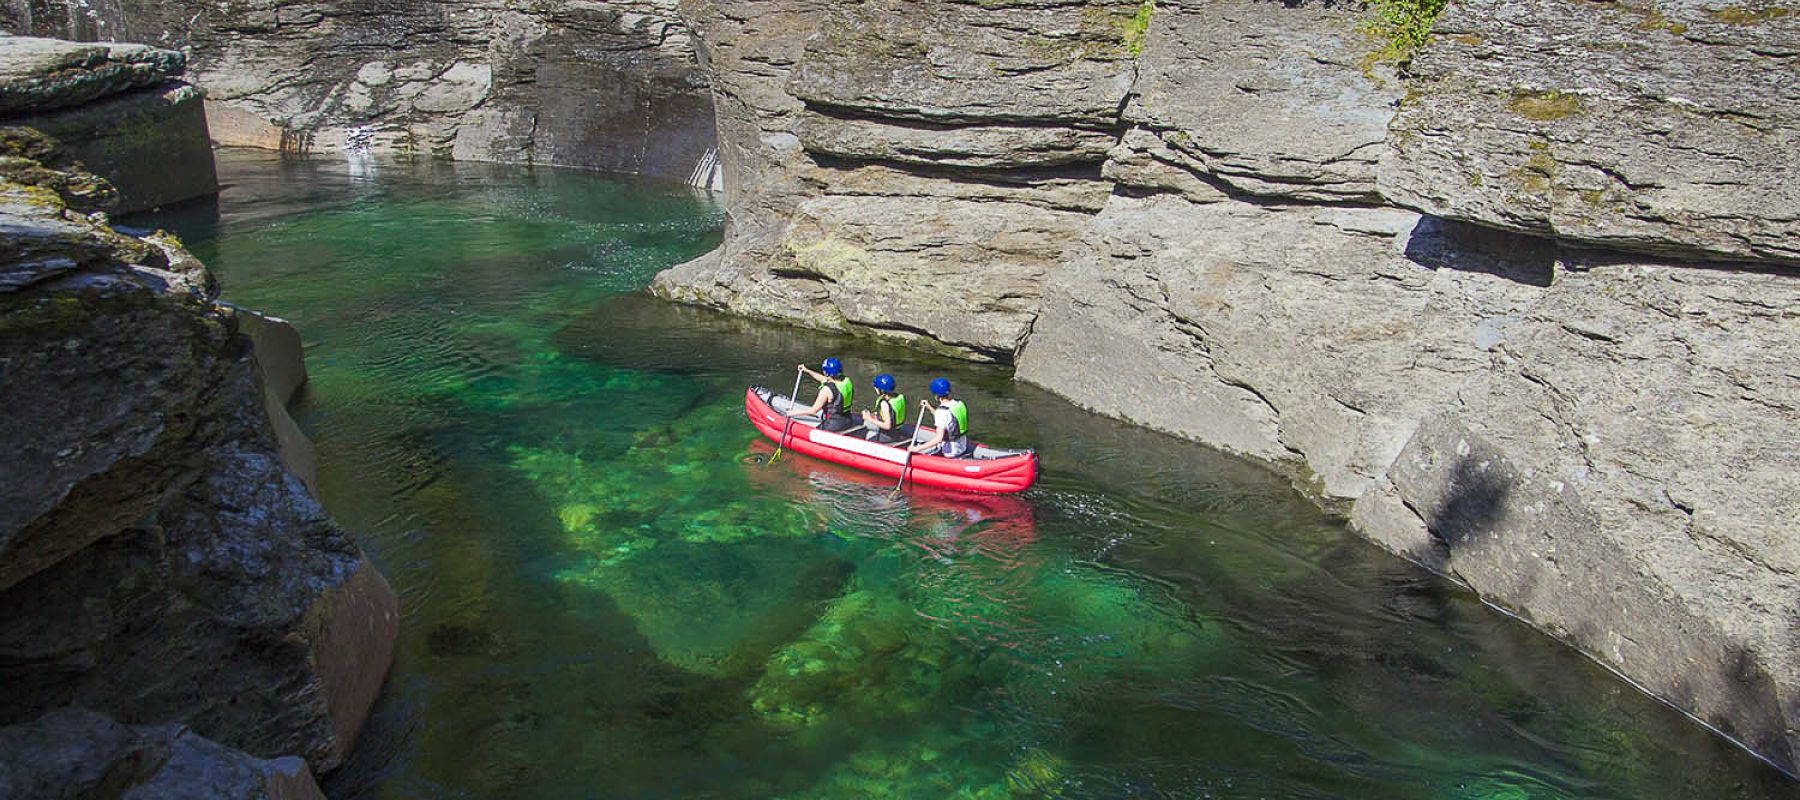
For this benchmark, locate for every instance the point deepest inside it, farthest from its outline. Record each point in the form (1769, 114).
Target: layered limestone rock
(1599, 446)
(1271, 99)
(160, 560)
(1597, 443)
(77, 753)
(1665, 127)
(117, 110)
(872, 162)
(608, 85)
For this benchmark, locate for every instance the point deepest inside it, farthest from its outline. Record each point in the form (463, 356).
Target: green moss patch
(1543, 106)
(1738, 15)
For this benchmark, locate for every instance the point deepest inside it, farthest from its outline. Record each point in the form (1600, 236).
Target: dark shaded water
(608, 593)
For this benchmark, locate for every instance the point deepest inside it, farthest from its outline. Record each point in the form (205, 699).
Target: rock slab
(116, 110)
(1666, 127)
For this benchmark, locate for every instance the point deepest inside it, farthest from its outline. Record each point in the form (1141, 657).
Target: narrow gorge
(1522, 306)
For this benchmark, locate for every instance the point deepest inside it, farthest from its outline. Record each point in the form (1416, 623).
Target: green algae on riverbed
(610, 592)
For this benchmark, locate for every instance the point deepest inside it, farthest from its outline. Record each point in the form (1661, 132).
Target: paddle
(910, 442)
(793, 397)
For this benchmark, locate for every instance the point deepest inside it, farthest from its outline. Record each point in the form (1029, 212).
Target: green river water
(607, 592)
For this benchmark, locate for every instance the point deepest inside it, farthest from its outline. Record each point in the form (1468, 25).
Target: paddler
(883, 425)
(950, 417)
(833, 401)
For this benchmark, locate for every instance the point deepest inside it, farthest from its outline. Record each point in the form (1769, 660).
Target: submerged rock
(76, 753)
(161, 558)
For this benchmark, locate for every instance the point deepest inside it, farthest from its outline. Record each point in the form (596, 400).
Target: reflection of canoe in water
(987, 469)
(997, 525)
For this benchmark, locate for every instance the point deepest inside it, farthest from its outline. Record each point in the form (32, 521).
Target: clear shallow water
(608, 592)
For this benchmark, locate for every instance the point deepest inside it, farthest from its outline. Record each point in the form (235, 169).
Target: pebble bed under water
(610, 592)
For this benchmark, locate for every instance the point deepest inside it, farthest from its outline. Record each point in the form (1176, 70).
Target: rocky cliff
(117, 109)
(161, 558)
(1443, 297)
(608, 85)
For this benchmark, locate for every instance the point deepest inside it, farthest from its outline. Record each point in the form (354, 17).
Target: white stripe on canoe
(856, 445)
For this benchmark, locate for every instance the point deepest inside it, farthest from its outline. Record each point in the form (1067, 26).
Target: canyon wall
(605, 85)
(1524, 310)
(162, 559)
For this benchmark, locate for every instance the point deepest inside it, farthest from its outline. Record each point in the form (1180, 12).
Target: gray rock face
(1665, 127)
(910, 169)
(159, 559)
(113, 109)
(42, 74)
(74, 753)
(1598, 445)
(610, 85)
(1601, 444)
(1271, 99)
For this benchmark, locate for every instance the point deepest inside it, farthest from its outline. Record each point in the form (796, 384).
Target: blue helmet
(832, 367)
(940, 387)
(884, 382)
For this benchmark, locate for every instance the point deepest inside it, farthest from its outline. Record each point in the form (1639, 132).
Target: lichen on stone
(1544, 105)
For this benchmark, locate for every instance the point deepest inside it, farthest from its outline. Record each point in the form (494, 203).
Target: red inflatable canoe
(986, 469)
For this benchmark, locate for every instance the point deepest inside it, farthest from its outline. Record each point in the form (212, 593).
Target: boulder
(75, 753)
(151, 144)
(1664, 127)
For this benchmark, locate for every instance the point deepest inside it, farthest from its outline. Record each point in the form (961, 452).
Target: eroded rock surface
(1665, 127)
(41, 74)
(609, 85)
(1597, 444)
(1594, 441)
(913, 169)
(160, 560)
(1273, 99)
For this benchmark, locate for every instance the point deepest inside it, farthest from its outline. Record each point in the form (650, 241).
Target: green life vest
(897, 407)
(844, 388)
(961, 413)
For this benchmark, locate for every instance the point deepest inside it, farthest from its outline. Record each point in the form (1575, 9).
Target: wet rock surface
(1663, 127)
(161, 559)
(79, 753)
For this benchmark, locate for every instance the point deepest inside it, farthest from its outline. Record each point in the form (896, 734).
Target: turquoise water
(610, 592)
